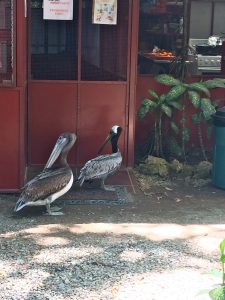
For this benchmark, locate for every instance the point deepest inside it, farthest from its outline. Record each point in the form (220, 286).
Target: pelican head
(63, 145)
(113, 136)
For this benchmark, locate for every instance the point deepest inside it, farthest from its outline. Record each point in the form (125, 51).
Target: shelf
(163, 13)
(163, 33)
(174, 3)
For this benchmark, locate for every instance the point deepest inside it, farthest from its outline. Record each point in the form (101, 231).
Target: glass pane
(104, 47)
(54, 45)
(6, 41)
(160, 35)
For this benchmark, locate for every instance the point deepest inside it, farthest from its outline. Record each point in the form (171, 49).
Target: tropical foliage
(218, 293)
(161, 107)
(198, 93)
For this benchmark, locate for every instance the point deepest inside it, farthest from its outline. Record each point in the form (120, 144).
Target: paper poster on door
(104, 12)
(58, 9)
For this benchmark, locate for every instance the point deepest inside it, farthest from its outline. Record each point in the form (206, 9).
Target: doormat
(93, 196)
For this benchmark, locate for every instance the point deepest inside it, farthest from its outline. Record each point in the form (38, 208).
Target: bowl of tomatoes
(161, 55)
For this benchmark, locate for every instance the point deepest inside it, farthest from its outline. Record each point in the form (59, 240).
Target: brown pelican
(52, 182)
(104, 165)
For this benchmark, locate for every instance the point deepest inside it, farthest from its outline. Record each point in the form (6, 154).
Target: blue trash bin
(218, 174)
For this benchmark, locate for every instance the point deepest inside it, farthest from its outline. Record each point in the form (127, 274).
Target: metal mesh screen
(54, 51)
(6, 42)
(104, 47)
(54, 45)
(160, 29)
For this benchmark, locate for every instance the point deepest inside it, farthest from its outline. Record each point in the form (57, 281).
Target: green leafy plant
(192, 92)
(205, 110)
(218, 293)
(160, 107)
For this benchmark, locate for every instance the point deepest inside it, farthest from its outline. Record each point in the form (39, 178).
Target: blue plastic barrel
(218, 174)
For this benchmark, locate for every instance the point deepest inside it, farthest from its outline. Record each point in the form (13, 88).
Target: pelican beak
(56, 152)
(108, 138)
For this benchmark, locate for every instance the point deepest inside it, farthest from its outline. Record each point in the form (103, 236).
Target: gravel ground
(141, 251)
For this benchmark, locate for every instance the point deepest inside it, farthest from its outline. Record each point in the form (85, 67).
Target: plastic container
(218, 174)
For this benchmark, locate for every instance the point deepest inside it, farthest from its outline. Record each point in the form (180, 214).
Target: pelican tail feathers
(40, 189)
(20, 204)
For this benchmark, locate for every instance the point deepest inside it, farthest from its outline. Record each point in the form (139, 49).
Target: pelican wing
(100, 167)
(45, 184)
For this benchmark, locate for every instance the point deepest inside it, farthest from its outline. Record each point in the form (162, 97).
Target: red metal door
(79, 81)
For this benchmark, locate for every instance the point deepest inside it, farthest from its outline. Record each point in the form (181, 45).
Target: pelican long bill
(55, 152)
(108, 138)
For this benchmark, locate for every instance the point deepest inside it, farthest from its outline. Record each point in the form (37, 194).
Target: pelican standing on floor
(52, 182)
(104, 165)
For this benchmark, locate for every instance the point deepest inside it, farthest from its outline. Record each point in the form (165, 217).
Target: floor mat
(97, 196)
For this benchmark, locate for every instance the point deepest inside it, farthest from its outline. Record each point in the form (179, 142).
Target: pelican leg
(51, 212)
(107, 187)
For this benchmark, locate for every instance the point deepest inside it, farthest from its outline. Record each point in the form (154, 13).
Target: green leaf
(162, 99)
(175, 104)
(153, 94)
(167, 110)
(146, 106)
(214, 83)
(218, 293)
(220, 79)
(195, 118)
(167, 80)
(36, 4)
(194, 98)
(222, 246)
(174, 127)
(222, 258)
(199, 87)
(207, 108)
(175, 93)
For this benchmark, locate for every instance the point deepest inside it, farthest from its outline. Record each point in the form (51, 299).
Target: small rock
(154, 166)
(203, 170)
(188, 170)
(176, 167)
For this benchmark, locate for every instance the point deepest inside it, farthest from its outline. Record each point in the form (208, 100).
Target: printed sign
(104, 12)
(58, 9)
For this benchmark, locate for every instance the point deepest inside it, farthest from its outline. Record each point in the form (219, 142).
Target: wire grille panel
(54, 45)
(6, 41)
(104, 47)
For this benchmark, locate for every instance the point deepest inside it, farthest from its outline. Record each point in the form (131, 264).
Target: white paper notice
(104, 12)
(58, 9)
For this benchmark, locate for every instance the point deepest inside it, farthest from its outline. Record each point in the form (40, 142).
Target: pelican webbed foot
(54, 211)
(107, 188)
(55, 208)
